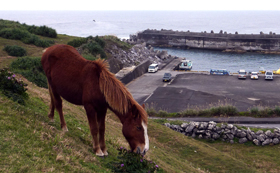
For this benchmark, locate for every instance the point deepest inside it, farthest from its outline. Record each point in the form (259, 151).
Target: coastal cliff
(222, 41)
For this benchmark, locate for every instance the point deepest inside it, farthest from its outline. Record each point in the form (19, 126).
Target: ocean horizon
(124, 23)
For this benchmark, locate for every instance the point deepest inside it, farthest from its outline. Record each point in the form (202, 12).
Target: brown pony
(89, 83)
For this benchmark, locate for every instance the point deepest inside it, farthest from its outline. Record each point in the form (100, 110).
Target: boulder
(256, 142)
(242, 140)
(267, 141)
(275, 141)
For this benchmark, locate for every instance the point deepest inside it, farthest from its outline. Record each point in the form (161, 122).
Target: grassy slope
(29, 143)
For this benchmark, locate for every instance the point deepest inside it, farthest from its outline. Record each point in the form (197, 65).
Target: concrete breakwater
(226, 132)
(222, 41)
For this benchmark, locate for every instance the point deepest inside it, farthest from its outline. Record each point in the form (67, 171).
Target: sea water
(124, 23)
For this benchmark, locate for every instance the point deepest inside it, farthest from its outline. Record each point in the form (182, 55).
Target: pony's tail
(115, 93)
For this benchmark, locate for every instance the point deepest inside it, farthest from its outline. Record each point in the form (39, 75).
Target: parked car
(219, 72)
(166, 77)
(268, 75)
(153, 68)
(255, 75)
(242, 74)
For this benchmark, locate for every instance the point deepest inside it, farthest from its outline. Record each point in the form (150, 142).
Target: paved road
(201, 90)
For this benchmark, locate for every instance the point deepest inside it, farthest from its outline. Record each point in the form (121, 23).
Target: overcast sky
(140, 5)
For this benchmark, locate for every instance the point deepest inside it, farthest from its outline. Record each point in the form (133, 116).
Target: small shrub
(31, 69)
(95, 49)
(12, 87)
(151, 112)
(77, 42)
(254, 111)
(15, 51)
(277, 110)
(162, 113)
(100, 41)
(132, 162)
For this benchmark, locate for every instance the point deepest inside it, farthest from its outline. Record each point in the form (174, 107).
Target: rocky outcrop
(226, 132)
(222, 41)
(139, 53)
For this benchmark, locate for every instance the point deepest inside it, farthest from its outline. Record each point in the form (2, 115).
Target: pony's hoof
(100, 154)
(51, 120)
(65, 129)
(105, 153)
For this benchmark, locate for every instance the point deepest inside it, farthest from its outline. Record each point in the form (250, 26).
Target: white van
(153, 68)
(268, 75)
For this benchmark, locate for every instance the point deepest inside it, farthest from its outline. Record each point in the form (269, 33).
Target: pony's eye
(138, 128)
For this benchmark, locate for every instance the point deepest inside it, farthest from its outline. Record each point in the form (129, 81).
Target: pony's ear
(134, 110)
(143, 105)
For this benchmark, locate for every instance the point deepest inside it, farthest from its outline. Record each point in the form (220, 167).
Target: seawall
(222, 41)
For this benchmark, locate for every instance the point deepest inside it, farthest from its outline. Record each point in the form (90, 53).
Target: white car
(242, 74)
(255, 75)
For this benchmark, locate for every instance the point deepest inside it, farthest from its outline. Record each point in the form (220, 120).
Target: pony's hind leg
(56, 102)
(52, 106)
(101, 123)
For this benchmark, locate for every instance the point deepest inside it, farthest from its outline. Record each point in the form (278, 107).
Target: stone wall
(262, 43)
(229, 132)
(136, 72)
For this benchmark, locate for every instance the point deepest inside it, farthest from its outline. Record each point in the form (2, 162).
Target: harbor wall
(222, 41)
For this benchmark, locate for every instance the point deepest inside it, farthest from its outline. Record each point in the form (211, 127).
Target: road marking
(164, 85)
(148, 97)
(253, 99)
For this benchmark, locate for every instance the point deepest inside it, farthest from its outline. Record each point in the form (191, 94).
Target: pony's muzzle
(138, 151)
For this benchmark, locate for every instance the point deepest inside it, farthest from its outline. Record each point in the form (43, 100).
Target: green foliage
(89, 57)
(12, 87)
(77, 42)
(100, 41)
(95, 49)
(38, 30)
(42, 30)
(91, 45)
(254, 111)
(132, 162)
(162, 113)
(112, 40)
(15, 51)
(31, 69)
(24, 36)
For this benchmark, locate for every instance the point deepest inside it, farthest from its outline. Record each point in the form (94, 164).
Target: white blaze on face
(146, 136)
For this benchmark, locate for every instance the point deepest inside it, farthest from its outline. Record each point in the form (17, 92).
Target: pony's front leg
(94, 128)
(101, 122)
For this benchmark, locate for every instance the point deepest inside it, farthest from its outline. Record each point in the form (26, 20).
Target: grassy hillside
(30, 143)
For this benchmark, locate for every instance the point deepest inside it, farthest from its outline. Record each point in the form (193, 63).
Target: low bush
(77, 42)
(15, 51)
(31, 69)
(132, 162)
(12, 87)
(94, 49)
(42, 30)
(25, 37)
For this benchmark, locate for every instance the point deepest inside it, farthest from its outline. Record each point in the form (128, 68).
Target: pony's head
(135, 129)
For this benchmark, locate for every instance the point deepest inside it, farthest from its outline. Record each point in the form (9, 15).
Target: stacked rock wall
(226, 132)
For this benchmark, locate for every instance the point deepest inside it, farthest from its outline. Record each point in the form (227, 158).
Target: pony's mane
(115, 93)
